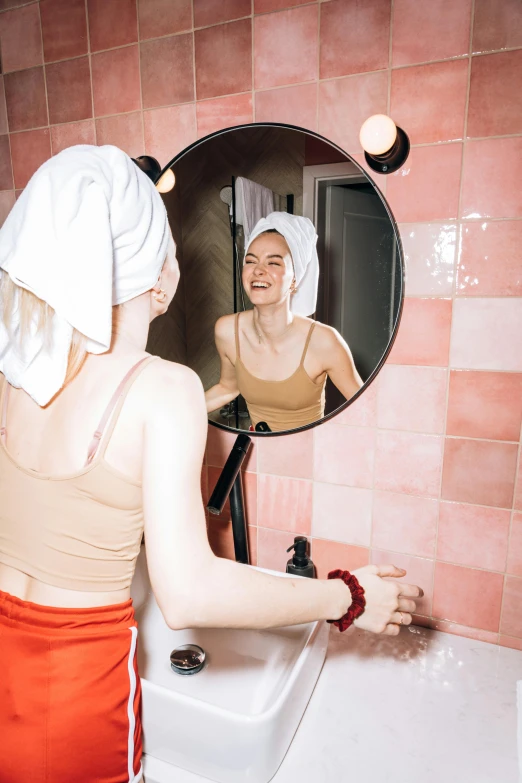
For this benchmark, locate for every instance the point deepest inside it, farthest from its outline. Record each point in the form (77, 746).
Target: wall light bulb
(166, 181)
(378, 134)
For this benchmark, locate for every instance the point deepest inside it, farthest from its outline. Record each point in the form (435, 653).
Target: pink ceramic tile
(69, 90)
(419, 571)
(490, 182)
(344, 455)
(462, 630)
(517, 503)
(473, 536)
(271, 548)
(430, 31)
(249, 481)
(490, 259)
(163, 17)
(467, 596)
(285, 47)
(64, 28)
(252, 544)
(330, 555)
(116, 81)
(124, 131)
(408, 463)
(6, 171)
(287, 456)
(3, 109)
(7, 201)
(355, 37)
(218, 73)
(265, 6)
(404, 523)
(344, 104)
(511, 622)
(28, 151)
(220, 113)
(112, 24)
(514, 561)
(362, 412)
(25, 98)
(296, 105)
(427, 186)
(342, 513)
(219, 445)
(5, 4)
(487, 334)
(167, 72)
(207, 12)
(417, 95)
(284, 504)
(164, 142)
(495, 103)
(485, 405)
(429, 255)
(510, 641)
(479, 471)
(412, 398)
(424, 333)
(21, 38)
(63, 136)
(497, 25)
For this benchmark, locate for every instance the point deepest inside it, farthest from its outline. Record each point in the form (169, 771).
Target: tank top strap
(236, 332)
(103, 432)
(307, 343)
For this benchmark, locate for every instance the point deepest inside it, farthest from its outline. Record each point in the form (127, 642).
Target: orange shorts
(69, 694)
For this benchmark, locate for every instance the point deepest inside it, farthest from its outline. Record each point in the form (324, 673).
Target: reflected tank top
(283, 405)
(80, 531)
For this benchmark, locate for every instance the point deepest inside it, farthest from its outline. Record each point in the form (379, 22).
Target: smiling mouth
(260, 286)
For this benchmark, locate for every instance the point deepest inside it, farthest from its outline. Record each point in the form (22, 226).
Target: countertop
(423, 707)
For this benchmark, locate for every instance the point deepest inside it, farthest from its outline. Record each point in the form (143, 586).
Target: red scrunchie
(358, 604)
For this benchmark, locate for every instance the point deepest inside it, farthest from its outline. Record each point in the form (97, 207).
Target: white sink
(233, 722)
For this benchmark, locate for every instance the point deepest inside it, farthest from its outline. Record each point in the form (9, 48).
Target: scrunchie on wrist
(358, 604)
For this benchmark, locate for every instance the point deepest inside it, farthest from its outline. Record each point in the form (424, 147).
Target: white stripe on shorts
(130, 707)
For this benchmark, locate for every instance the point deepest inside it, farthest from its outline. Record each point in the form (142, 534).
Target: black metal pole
(239, 526)
(229, 484)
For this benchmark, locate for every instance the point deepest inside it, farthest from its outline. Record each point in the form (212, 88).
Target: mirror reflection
(291, 277)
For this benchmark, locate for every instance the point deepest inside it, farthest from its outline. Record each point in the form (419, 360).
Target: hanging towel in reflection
(253, 202)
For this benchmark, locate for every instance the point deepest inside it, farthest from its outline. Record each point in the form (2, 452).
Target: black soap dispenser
(300, 564)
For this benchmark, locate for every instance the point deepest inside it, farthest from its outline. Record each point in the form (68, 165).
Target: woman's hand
(388, 604)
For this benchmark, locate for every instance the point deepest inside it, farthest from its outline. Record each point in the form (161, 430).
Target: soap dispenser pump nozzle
(300, 563)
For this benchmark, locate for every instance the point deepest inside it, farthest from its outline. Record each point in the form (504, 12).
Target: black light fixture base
(149, 166)
(394, 158)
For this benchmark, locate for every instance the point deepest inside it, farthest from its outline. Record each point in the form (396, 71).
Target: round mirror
(292, 277)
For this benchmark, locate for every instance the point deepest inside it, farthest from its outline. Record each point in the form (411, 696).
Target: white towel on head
(88, 232)
(301, 239)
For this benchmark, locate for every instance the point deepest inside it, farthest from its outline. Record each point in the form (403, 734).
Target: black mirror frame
(386, 353)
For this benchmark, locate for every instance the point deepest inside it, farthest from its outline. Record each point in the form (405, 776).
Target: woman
(88, 238)
(276, 357)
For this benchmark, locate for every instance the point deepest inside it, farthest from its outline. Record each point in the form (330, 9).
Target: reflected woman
(275, 355)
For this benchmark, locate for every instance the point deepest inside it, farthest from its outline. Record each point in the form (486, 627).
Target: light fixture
(166, 181)
(150, 166)
(385, 145)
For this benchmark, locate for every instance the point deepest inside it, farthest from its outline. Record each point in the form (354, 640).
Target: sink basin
(233, 721)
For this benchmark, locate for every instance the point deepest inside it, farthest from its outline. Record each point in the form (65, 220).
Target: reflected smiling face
(268, 270)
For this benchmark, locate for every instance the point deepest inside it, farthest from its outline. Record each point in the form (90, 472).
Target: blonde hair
(35, 310)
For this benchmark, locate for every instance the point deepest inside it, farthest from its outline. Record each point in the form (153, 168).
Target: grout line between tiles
(89, 54)
(142, 114)
(45, 81)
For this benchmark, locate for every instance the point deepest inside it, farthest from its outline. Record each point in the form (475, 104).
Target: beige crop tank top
(80, 531)
(283, 405)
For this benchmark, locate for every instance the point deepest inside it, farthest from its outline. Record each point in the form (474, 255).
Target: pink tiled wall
(425, 469)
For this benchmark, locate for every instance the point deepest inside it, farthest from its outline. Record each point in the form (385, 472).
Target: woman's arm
(338, 362)
(226, 390)
(193, 587)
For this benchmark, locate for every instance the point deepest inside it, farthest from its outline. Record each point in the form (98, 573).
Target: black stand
(229, 484)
